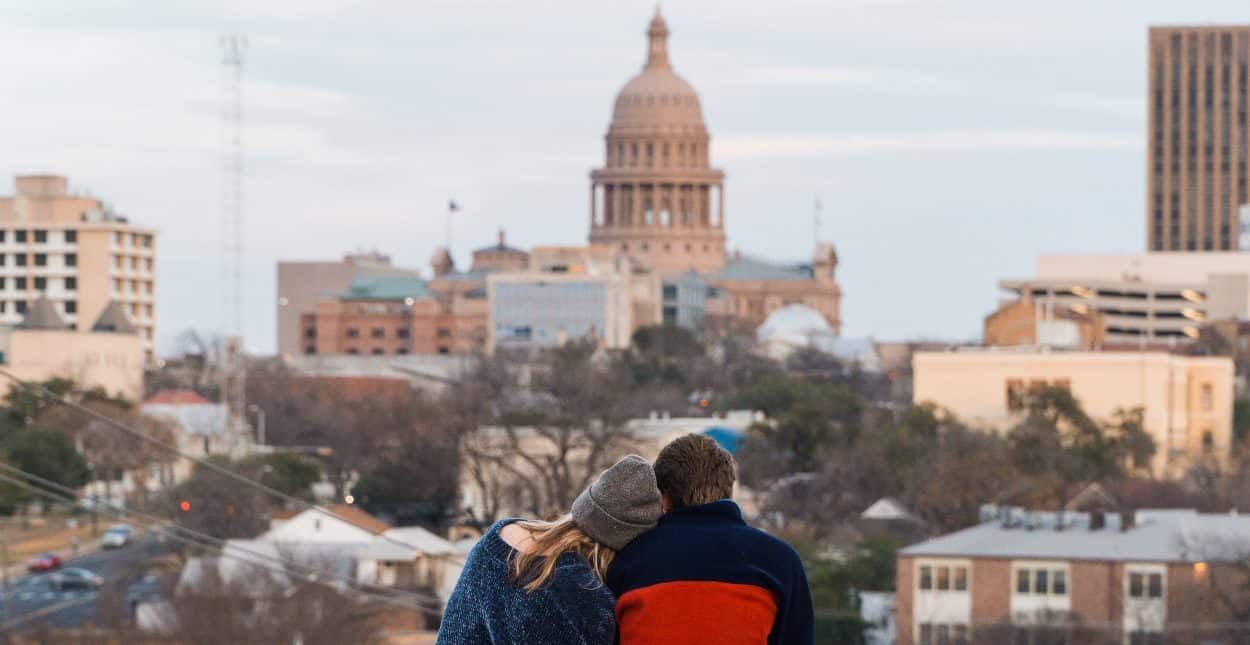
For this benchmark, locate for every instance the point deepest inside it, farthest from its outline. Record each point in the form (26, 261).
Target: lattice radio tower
(233, 370)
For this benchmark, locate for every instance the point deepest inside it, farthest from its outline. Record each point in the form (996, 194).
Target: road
(34, 602)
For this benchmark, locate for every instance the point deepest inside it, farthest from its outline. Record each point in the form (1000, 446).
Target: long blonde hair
(532, 568)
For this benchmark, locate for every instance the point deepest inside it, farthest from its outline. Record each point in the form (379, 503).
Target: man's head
(693, 470)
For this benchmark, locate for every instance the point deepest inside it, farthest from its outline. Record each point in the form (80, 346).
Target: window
(670, 291)
(71, 284)
(119, 239)
(402, 350)
(70, 237)
(1042, 580)
(942, 634)
(20, 306)
(41, 259)
(353, 351)
(41, 237)
(1208, 442)
(670, 315)
(19, 284)
(310, 332)
(402, 332)
(41, 284)
(71, 306)
(19, 237)
(378, 351)
(147, 241)
(71, 259)
(352, 332)
(2, 235)
(1145, 585)
(444, 332)
(311, 349)
(377, 332)
(943, 577)
(443, 349)
(1208, 397)
(20, 259)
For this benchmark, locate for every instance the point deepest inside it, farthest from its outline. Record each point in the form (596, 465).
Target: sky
(949, 141)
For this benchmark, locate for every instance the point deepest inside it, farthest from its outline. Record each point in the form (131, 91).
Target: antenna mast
(233, 372)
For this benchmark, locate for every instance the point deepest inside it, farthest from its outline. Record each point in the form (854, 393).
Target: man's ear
(665, 504)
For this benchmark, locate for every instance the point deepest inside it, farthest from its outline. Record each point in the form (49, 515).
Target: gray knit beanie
(620, 505)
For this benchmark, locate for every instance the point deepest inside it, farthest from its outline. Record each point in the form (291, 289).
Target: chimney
(501, 239)
(1128, 520)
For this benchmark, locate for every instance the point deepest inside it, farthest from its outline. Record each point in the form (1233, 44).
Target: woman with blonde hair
(529, 582)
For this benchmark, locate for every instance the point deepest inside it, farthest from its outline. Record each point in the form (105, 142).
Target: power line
(45, 393)
(214, 541)
(254, 558)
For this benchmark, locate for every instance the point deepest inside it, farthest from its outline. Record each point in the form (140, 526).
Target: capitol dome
(795, 324)
(657, 96)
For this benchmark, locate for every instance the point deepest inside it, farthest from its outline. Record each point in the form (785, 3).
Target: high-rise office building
(78, 253)
(1198, 149)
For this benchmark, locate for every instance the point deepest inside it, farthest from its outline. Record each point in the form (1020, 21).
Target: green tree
(836, 583)
(805, 419)
(286, 472)
(45, 453)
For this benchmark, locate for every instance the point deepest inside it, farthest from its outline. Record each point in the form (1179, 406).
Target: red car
(44, 562)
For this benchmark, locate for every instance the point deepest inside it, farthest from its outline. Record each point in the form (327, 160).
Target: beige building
(570, 293)
(77, 252)
(658, 199)
(1152, 299)
(1198, 153)
(109, 354)
(1187, 401)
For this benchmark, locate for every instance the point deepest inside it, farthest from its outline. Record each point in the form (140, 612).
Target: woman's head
(620, 505)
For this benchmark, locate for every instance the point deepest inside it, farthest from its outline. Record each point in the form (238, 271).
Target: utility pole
(233, 370)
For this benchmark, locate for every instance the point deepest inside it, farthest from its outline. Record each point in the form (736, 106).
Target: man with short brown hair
(702, 575)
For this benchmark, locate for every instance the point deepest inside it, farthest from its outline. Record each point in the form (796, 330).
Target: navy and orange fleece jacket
(704, 576)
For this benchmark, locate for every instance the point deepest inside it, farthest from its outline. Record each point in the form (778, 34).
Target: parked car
(117, 537)
(74, 578)
(44, 562)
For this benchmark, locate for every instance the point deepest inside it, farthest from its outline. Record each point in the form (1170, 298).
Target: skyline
(901, 122)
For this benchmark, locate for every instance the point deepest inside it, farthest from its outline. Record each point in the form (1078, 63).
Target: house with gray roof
(1135, 576)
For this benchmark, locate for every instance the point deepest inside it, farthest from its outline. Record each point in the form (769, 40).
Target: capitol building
(659, 199)
(656, 255)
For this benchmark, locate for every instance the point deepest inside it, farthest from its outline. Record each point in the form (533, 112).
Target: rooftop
(386, 288)
(176, 397)
(1152, 535)
(741, 267)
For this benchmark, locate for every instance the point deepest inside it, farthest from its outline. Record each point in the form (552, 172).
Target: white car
(74, 578)
(116, 537)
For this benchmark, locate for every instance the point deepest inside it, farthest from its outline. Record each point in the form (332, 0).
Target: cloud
(764, 146)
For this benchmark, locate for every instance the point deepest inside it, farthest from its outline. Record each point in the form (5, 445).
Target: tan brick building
(1023, 576)
(1198, 147)
(77, 252)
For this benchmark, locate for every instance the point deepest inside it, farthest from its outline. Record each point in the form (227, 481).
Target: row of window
(1042, 581)
(135, 239)
(40, 283)
(376, 351)
(943, 578)
(1031, 580)
(120, 286)
(376, 332)
(960, 634)
(679, 154)
(121, 262)
(943, 634)
(37, 259)
(39, 235)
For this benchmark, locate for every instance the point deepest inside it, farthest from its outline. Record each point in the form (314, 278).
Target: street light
(260, 422)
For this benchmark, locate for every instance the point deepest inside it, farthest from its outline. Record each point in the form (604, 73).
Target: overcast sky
(950, 141)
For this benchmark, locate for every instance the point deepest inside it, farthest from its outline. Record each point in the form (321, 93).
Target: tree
(44, 453)
(1057, 435)
(286, 472)
(806, 418)
(415, 479)
(221, 506)
(539, 432)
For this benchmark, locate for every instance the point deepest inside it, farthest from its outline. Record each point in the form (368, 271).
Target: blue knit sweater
(574, 607)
